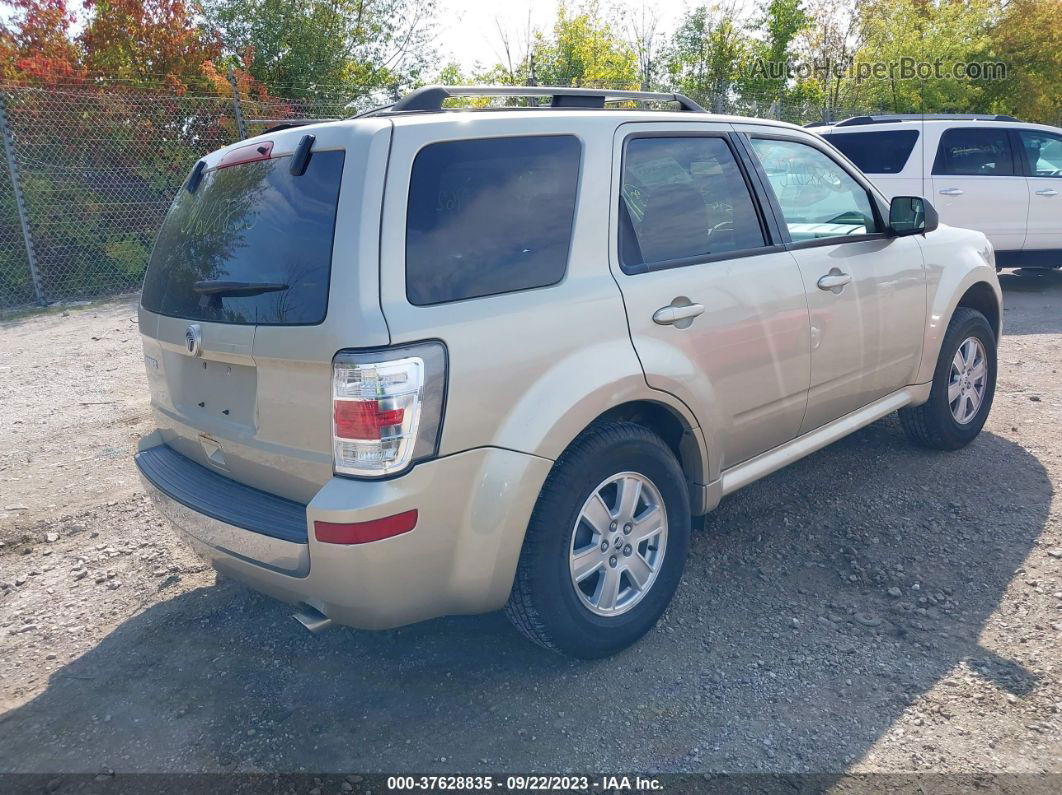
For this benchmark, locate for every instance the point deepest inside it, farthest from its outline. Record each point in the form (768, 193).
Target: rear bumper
(460, 558)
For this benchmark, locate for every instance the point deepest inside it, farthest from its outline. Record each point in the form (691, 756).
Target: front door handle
(951, 192)
(834, 281)
(1047, 192)
(680, 315)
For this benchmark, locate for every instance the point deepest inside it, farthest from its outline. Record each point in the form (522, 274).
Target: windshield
(252, 245)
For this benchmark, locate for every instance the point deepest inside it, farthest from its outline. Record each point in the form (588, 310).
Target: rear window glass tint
(884, 152)
(974, 152)
(252, 245)
(490, 216)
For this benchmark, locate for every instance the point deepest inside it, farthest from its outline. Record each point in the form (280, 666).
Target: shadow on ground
(1038, 293)
(784, 650)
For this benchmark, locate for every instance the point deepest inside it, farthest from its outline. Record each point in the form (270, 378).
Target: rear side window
(966, 151)
(490, 216)
(683, 199)
(252, 245)
(884, 152)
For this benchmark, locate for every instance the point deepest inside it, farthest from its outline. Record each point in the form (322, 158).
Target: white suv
(995, 174)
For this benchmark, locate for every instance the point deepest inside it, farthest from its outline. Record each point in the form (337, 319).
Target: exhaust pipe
(313, 619)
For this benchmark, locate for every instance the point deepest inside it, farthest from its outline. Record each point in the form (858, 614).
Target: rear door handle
(675, 315)
(834, 281)
(951, 192)
(1047, 192)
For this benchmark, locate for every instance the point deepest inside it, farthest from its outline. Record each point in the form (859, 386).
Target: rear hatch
(259, 275)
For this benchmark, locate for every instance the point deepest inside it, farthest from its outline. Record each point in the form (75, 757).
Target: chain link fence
(91, 170)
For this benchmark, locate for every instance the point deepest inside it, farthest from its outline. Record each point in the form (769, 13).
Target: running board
(762, 465)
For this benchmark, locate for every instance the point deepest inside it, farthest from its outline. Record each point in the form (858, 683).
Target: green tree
(926, 32)
(294, 46)
(709, 54)
(584, 49)
(1028, 39)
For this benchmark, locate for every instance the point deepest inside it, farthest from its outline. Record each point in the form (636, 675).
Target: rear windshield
(884, 152)
(252, 245)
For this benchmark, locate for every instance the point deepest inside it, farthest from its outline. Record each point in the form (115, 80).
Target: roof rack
(855, 121)
(431, 98)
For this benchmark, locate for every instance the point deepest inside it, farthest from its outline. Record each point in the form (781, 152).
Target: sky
(468, 32)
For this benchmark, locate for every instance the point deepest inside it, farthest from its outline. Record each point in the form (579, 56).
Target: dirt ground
(874, 607)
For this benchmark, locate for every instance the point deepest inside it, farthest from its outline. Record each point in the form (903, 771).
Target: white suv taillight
(386, 408)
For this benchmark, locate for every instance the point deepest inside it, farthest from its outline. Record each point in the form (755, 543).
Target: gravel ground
(872, 608)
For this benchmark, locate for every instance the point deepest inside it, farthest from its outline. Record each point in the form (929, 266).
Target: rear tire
(962, 391)
(589, 524)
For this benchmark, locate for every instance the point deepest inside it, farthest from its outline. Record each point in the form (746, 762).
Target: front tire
(964, 384)
(606, 544)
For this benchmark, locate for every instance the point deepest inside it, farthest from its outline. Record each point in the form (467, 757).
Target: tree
(709, 53)
(643, 37)
(147, 40)
(35, 43)
(1028, 39)
(295, 46)
(767, 83)
(827, 48)
(928, 33)
(584, 49)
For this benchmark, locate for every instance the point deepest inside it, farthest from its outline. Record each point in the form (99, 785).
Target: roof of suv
(426, 106)
(860, 124)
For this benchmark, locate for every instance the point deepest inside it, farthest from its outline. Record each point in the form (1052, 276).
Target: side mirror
(911, 215)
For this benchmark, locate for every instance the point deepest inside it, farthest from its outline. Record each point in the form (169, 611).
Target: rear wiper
(227, 289)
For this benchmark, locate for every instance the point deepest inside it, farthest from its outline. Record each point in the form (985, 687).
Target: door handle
(834, 281)
(951, 192)
(1047, 192)
(677, 315)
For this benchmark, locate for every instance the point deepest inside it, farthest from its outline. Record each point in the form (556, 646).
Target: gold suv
(427, 361)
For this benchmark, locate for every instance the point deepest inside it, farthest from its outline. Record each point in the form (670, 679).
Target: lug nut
(627, 529)
(604, 546)
(612, 561)
(627, 550)
(612, 527)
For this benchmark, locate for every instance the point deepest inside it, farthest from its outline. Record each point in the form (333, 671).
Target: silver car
(429, 361)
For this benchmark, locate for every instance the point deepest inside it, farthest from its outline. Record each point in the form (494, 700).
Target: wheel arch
(981, 297)
(682, 436)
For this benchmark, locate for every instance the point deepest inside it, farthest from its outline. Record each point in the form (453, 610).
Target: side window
(1043, 153)
(969, 152)
(818, 198)
(683, 198)
(490, 216)
(884, 152)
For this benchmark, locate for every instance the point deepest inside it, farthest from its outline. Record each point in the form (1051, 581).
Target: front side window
(1043, 153)
(818, 198)
(884, 152)
(490, 216)
(683, 198)
(969, 152)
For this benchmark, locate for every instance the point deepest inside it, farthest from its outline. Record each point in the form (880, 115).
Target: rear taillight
(386, 408)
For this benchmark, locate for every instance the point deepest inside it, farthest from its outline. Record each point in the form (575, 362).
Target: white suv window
(818, 198)
(1043, 153)
(969, 152)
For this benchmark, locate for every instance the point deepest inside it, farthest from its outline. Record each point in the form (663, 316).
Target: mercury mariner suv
(434, 360)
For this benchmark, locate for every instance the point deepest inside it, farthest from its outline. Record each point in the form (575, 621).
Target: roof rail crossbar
(855, 121)
(431, 98)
